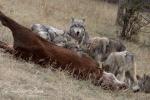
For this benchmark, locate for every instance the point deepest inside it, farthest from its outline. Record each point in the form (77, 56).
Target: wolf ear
(146, 76)
(83, 19)
(1, 13)
(138, 77)
(72, 19)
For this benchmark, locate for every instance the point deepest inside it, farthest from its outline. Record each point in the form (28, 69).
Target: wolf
(123, 66)
(46, 32)
(78, 31)
(50, 33)
(41, 30)
(57, 36)
(101, 47)
(97, 48)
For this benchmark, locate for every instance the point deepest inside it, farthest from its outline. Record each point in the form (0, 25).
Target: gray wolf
(57, 36)
(100, 47)
(77, 31)
(123, 66)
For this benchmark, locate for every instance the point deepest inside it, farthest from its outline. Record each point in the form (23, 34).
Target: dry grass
(21, 80)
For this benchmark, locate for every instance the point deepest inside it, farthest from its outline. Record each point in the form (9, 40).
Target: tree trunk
(128, 19)
(121, 12)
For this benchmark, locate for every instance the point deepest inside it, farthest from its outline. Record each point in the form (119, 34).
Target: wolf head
(77, 29)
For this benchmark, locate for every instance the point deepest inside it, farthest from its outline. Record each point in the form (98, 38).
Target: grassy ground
(24, 80)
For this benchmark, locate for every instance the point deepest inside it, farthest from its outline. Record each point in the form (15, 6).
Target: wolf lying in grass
(55, 35)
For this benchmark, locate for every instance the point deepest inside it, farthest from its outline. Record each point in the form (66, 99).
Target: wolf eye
(75, 25)
(81, 26)
(107, 45)
(144, 81)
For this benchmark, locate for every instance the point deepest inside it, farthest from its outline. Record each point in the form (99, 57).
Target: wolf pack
(110, 54)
